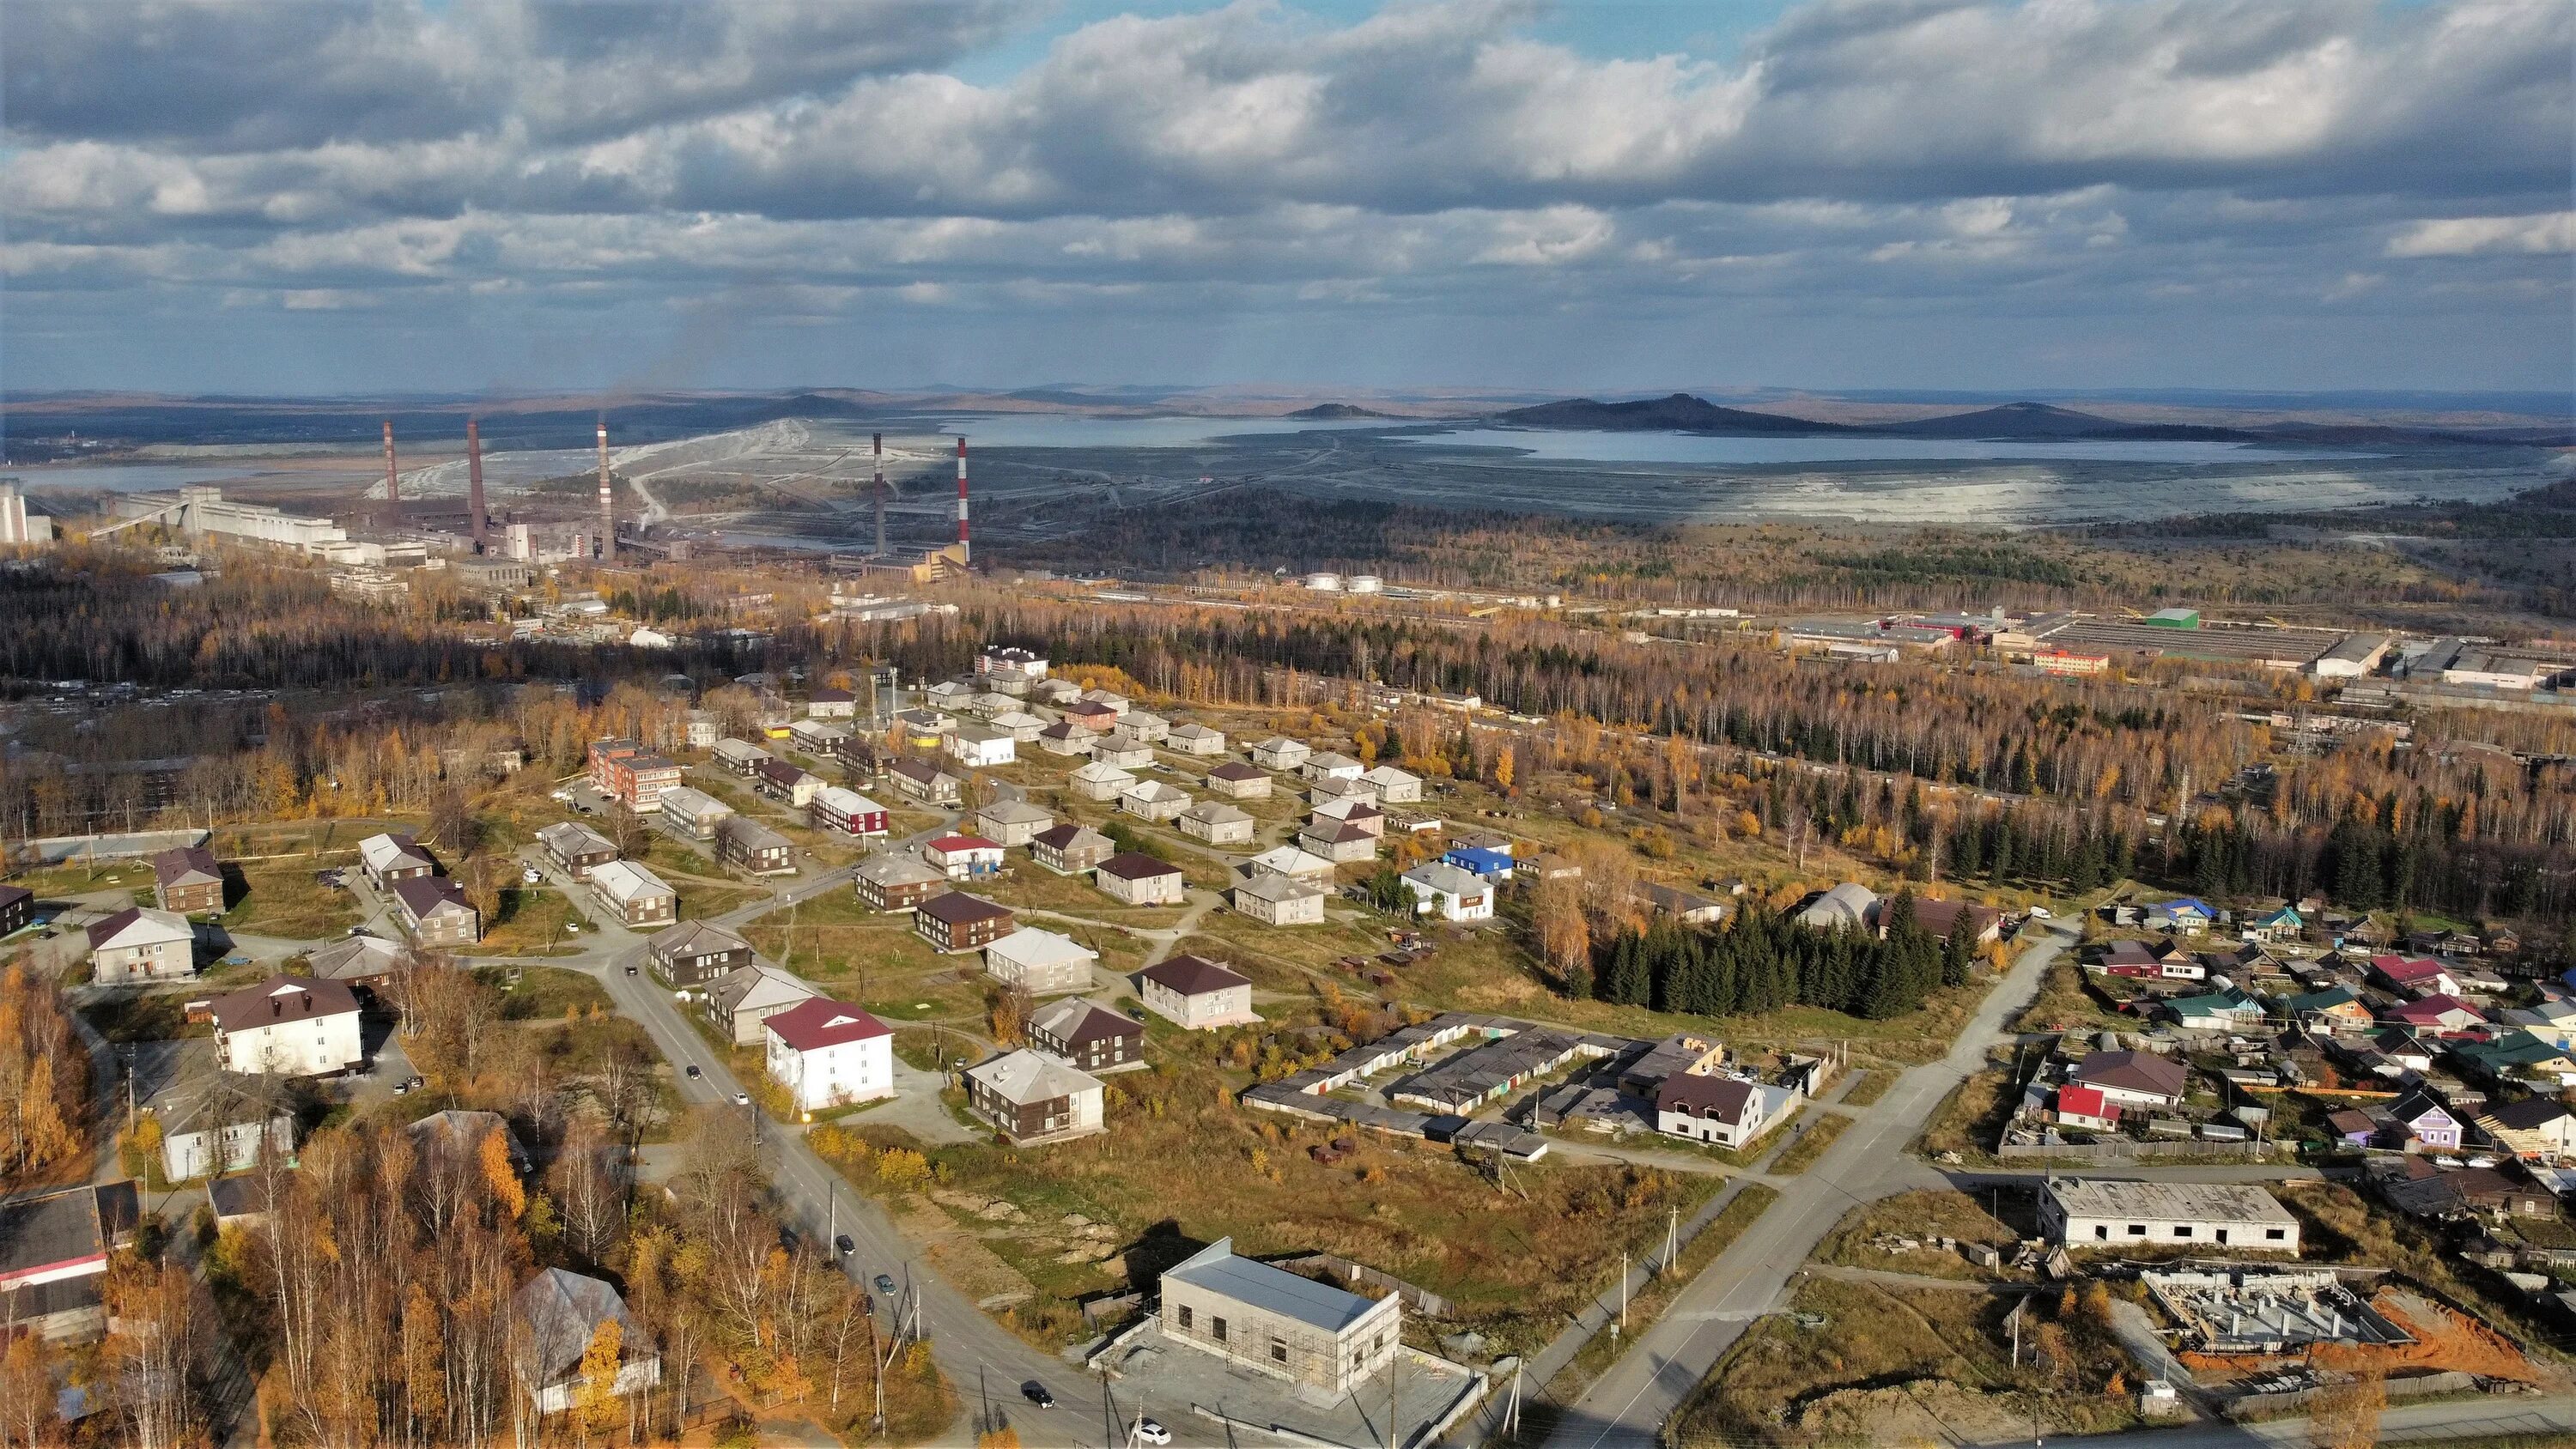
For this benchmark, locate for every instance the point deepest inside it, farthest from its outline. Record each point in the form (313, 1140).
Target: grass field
(1925, 1215)
(282, 899)
(1181, 1164)
(530, 922)
(1810, 1145)
(547, 992)
(1873, 1084)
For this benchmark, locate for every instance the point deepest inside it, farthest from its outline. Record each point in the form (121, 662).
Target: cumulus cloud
(1434, 160)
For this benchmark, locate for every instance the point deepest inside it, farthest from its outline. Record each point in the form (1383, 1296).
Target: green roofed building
(2173, 619)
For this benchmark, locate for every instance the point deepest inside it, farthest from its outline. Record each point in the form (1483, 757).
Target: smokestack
(393, 484)
(963, 556)
(879, 440)
(474, 480)
(607, 512)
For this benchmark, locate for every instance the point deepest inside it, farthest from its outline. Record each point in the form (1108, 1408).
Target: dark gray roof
(563, 1310)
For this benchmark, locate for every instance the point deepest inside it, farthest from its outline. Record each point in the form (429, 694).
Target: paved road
(2421, 1423)
(1628, 1405)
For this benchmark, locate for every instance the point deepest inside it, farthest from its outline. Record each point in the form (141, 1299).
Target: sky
(351, 196)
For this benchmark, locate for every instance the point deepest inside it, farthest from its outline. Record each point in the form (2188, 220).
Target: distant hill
(1335, 412)
(2012, 420)
(1679, 413)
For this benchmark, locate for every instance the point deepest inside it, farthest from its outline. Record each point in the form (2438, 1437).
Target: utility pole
(1623, 1290)
(1672, 1240)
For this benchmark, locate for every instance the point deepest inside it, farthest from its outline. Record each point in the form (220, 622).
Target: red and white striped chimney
(393, 484)
(474, 481)
(963, 556)
(607, 511)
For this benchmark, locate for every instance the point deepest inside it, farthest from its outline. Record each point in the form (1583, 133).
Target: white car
(530, 876)
(1149, 1432)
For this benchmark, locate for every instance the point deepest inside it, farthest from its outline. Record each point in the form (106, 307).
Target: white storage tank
(1366, 583)
(1324, 583)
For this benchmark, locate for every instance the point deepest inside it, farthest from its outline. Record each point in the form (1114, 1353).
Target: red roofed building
(2082, 1106)
(2435, 1013)
(2415, 974)
(827, 1053)
(963, 857)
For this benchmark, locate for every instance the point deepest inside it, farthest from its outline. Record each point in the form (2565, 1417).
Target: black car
(693, 1070)
(1036, 1393)
(844, 1245)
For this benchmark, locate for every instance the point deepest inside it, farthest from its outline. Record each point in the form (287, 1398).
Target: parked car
(1150, 1432)
(531, 876)
(742, 1099)
(885, 1284)
(1036, 1393)
(844, 1246)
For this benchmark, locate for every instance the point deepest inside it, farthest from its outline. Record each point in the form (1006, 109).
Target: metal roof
(1272, 1290)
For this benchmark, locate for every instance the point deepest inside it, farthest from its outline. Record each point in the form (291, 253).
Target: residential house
(1151, 728)
(959, 922)
(896, 882)
(1729, 1111)
(1023, 727)
(638, 898)
(1070, 849)
(2552, 1021)
(1278, 900)
(1337, 841)
(1096, 781)
(391, 857)
(923, 781)
(1107, 699)
(17, 909)
(2277, 923)
(829, 1053)
(754, 848)
(1984, 924)
(830, 703)
(2335, 1009)
(1139, 879)
(978, 748)
(694, 953)
(1093, 1038)
(1040, 963)
(842, 811)
(1064, 737)
(576, 849)
(2415, 976)
(2420, 1190)
(2422, 1122)
(1443, 890)
(1289, 861)
(1281, 753)
(1194, 739)
(817, 736)
(923, 729)
(1687, 907)
(2086, 1107)
(435, 913)
(562, 1314)
(692, 814)
(1197, 993)
(995, 663)
(140, 943)
(187, 881)
(2532, 1128)
(2352, 1128)
(1090, 715)
(2518, 1056)
(287, 1026)
(1331, 789)
(1352, 812)
(963, 857)
(1217, 823)
(738, 1002)
(2223, 1010)
(1153, 800)
(1012, 822)
(740, 756)
(1236, 780)
(1331, 765)
(2134, 1079)
(1273, 1322)
(356, 958)
(787, 784)
(1030, 1097)
(1121, 750)
(1394, 786)
(2434, 1013)
(2183, 915)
